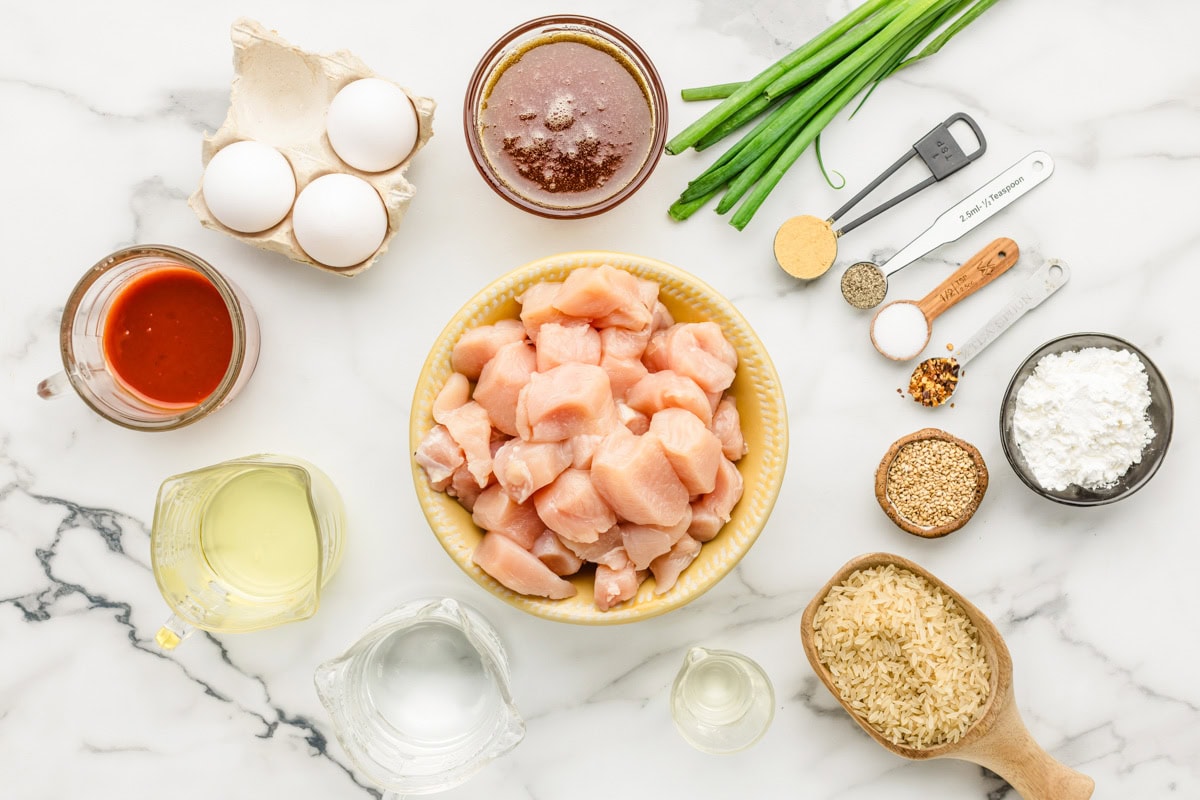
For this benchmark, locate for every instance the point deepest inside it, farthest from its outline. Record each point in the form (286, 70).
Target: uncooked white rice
(903, 655)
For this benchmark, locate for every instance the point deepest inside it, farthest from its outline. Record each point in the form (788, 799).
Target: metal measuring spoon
(806, 246)
(894, 328)
(864, 285)
(935, 380)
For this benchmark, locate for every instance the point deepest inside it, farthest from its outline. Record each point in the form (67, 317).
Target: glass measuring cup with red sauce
(154, 338)
(565, 116)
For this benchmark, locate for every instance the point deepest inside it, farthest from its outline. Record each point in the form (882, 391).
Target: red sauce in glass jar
(566, 122)
(168, 336)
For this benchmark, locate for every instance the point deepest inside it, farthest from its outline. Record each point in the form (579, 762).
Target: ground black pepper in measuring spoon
(982, 204)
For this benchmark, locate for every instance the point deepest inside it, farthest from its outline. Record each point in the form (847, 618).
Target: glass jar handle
(54, 386)
(173, 631)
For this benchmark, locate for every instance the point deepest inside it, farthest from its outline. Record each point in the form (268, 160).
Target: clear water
(719, 691)
(429, 683)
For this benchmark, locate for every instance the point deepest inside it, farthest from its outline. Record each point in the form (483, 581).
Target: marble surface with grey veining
(102, 108)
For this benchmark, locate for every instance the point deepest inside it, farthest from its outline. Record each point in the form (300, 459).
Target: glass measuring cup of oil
(721, 701)
(421, 701)
(244, 545)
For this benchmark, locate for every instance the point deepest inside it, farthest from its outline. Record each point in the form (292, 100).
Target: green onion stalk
(797, 96)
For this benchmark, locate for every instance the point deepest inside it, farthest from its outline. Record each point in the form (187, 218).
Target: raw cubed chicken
(464, 488)
(614, 586)
(606, 295)
(692, 449)
(655, 354)
(607, 549)
(700, 351)
(668, 389)
(477, 346)
(631, 418)
(559, 343)
(502, 380)
(623, 373)
(667, 568)
(711, 511)
(523, 467)
(661, 318)
(569, 400)
(537, 308)
(598, 430)
(496, 511)
(571, 507)
(518, 569)
(439, 455)
(644, 543)
(471, 427)
(727, 425)
(633, 475)
(551, 551)
(624, 343)
(455, 394)
(583, 447)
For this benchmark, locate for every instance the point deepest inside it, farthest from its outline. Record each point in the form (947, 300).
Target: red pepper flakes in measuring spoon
(935, 380)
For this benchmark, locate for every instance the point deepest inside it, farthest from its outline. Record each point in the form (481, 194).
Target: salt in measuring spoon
(901, 329)
(935, 380)
(864, 285)
(806, 246)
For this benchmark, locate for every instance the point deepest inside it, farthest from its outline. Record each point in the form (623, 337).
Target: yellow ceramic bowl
(759, 401)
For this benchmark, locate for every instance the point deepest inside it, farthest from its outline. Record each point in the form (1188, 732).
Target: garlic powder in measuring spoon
(900, 330)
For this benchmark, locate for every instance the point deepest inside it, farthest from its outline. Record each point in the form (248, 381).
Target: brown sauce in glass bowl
(566, 121)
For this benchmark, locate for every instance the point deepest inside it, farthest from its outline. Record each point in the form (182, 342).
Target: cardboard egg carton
(279, 96)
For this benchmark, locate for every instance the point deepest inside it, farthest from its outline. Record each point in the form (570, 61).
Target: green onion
(743, 116)
(814, 65)
(753, 87)
(716, 92)
(797, 96)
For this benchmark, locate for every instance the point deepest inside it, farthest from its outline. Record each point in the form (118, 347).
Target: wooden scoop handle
(1010, 752)
(975, 273)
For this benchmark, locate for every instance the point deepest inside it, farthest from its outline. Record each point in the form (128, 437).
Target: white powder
(1081, 417)
(900, 330)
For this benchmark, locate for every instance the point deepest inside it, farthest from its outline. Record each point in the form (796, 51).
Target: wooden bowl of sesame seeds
(929, 482)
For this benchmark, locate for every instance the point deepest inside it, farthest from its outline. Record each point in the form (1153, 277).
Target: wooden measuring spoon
(998, 740)
(976, 272)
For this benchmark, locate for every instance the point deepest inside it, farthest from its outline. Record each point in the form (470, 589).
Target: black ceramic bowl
(1161, 414)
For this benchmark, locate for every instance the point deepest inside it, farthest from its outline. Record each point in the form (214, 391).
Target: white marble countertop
(104, 105)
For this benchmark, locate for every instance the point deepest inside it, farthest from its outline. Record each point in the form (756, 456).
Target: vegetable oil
(259, 536)
(721, 701)
(245, 544)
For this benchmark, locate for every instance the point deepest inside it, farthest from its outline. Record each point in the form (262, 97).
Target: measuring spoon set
(806, 246)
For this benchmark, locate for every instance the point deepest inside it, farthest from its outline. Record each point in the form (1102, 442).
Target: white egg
(249, 186)
(339, 220)
(372, 124)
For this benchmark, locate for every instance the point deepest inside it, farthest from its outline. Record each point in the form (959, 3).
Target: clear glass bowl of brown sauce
(565, 116)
